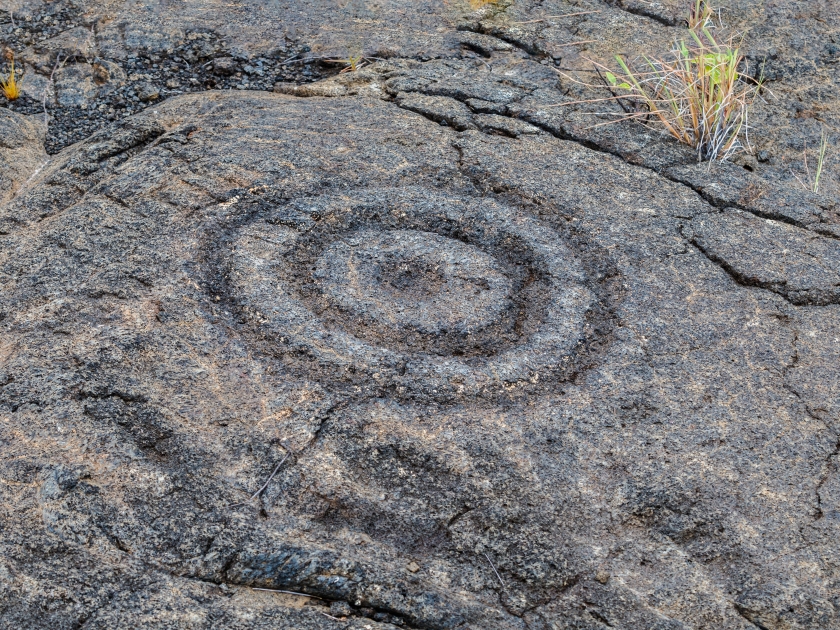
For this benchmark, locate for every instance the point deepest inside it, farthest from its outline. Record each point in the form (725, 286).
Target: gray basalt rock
(798, 264)
(413, 377)
(21, 151)
(441, 109)
(75, 85)
(258, 27)
(426, 344)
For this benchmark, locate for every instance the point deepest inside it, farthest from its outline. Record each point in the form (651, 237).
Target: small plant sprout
(355, 59)
(698, 93)
(11, 86)
(814, 184)
(353, 63)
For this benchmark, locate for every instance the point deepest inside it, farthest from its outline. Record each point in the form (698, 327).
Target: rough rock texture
(413, 347)
(21, 151)
(796, 263)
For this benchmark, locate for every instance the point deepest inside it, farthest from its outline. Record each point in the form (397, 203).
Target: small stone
(602, 577)
(413, 567)
(340, 609)
(101, 74)
(147, 92)
(225, 66)
(74, 85)
(173, 84)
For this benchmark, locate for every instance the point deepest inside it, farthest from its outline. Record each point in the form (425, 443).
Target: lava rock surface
(418, 345)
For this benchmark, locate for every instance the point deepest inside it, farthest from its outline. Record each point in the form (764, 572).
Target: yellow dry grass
(11, 87)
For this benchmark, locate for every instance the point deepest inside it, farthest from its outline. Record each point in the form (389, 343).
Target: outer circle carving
(425, 294)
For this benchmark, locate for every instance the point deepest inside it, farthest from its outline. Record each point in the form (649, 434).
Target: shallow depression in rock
(417, 281)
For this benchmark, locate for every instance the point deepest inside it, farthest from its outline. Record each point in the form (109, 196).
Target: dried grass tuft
(700, 92)
(700, 16)
(820, 161)
(11, 87)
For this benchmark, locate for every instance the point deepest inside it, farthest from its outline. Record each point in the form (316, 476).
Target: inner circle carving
(433, 292)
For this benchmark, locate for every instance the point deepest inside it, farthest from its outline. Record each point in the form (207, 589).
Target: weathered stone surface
(518, 370)
(75, 86)
(399, 284)
(792, 44)
(258, 27)
(796, 263)
(234, 293)
(442, 109)
(21, 151)
(493, 123)
(812, 377)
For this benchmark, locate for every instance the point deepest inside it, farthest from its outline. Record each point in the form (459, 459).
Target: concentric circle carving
(427, 295)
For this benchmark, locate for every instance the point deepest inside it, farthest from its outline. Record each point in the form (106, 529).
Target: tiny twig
(333, 618)
(797, 179)
(494, 571)
(590, 100)
(50, 86)
(607, 85)
(304, 60)
(820, 161)
(805, 157)
(290, 58)
(277, 590)
(268, 481)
